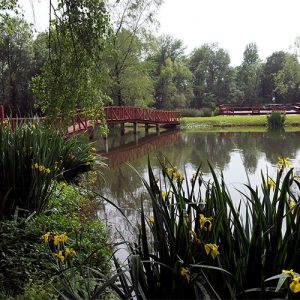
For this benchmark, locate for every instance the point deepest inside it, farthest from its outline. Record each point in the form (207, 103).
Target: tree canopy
(98, 53)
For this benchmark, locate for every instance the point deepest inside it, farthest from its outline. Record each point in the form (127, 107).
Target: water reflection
(133, 150)
(238, 155)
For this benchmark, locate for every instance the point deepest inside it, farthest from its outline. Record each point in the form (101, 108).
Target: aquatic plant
(199, 242)
(31, 157)
(276, 120)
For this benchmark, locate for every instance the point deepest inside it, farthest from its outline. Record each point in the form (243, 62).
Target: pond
(237, 154)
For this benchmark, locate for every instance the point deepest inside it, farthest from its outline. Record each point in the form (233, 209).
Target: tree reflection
(193, 149)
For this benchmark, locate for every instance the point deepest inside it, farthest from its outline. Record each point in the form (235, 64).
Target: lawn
(231, 121)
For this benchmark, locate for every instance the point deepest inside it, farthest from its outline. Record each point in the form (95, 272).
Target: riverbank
(235, 121)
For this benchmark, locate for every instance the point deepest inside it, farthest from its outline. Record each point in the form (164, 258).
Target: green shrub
(30, 159)
(207, 111)
(216, 111)
(276, 120)
(191, 112)
(26, 262)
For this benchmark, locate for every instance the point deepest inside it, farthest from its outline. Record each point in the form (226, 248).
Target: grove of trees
(98, 53)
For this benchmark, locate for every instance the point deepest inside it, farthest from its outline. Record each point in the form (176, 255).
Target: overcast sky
(271, 24)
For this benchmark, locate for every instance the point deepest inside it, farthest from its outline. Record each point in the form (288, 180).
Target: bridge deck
(113, 115)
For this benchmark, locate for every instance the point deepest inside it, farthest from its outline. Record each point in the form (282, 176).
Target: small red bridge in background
(113, 115)
(229, 109)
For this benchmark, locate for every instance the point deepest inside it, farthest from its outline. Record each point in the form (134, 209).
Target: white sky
(271, 24)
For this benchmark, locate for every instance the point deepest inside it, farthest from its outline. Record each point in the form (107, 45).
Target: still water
(236, 154)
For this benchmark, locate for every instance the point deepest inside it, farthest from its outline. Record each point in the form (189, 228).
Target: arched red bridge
(113, 115)
(126, 114)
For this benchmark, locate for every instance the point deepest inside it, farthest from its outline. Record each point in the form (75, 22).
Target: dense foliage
(97, 53)
(32, 157)
(276, 120)
(27, 262)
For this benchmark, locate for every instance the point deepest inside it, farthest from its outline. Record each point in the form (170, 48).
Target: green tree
(16, 64)
(274, 63)
(173, 85)
(249, 74)
(71, 77)
(287, 80)
(128, 81)
(212, 75)
(132, 22)
(172, 78)
(236, 96)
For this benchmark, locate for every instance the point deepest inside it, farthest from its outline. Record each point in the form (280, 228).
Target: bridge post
(157, 129)
(146, 128)
(106, 144)
(122, 128)
(2, 113)
(135, 128)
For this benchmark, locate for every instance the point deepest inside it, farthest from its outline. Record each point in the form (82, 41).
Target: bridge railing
(137, 114)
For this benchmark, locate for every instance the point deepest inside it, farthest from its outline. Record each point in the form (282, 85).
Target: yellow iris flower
(295, 284)
(151, 220)
(271, 183)
(289, 272)
(185, 273)
(204, 220)
(212, 249)
(62, 238)
(60, 256)
(283, 162)
(70, 252)
(45, 237)
(292, 205)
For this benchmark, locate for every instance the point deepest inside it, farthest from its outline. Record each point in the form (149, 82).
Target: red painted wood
(113, 115)
(127, 114)
(227, 109)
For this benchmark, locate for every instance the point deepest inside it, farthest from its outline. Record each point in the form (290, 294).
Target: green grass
(231, 121)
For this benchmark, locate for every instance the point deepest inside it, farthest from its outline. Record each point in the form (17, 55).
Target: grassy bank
(234, 121)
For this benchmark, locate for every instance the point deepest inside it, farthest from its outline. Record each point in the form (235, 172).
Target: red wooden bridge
(113, 115)
(126, 114)
(229, 109)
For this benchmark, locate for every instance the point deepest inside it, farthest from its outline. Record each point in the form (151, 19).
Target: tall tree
(132, 22)
(128, 81)
(171, 76)
(274, 63)
(287, 80)
(212, 73)
(71, 78)
(249, 74)
(16, 64)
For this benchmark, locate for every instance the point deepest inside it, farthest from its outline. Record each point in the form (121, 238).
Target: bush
(190, 112)
(193, 112)
(26, 263)
(276, 120)
(207, 112)
(30, 159)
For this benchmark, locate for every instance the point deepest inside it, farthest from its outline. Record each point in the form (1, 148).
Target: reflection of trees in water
(275, 145)
(194, 148)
